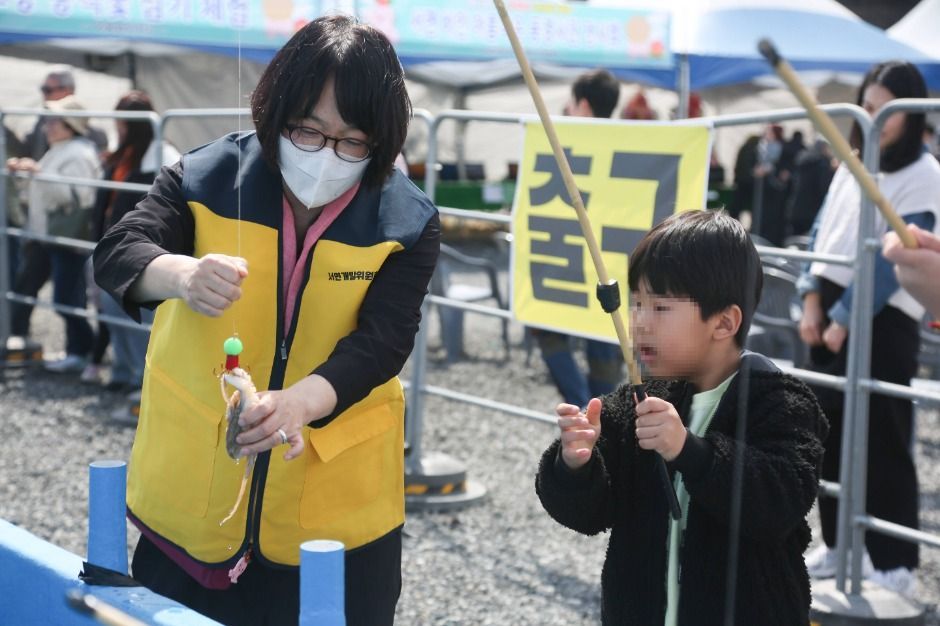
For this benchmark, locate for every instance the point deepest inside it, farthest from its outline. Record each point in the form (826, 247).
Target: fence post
(433, 480)
(322, 583)
(861, 603)
(107, 510)
(4, 247)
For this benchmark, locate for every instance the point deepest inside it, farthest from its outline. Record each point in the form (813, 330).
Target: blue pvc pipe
(107, 530)
(322, 582)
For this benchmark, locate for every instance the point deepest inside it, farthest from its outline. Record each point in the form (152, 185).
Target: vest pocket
(176, 445)
(347, 468)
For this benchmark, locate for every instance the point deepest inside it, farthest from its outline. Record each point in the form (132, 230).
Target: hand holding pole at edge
(840, 146)
(604, 283)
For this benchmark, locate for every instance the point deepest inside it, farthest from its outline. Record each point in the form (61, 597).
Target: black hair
(139, 132)
(600, 88)
(706, 256)
(903, 80)
(368, 80)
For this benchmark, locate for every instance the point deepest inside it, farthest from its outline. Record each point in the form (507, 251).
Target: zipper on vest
(287, 339)
(253, 521)
(276, 382)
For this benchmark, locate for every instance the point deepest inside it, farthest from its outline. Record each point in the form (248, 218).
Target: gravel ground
(502, 561)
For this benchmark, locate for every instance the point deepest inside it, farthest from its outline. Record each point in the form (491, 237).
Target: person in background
(812, 174)
(771, 176)
(137, 159)
(745, 163)
(305, 240)
(15, 215)
(694, 107)
(910, 180)
(792, 149)
(69, 154)
(59, 83)
(593, 94)
(638, 108)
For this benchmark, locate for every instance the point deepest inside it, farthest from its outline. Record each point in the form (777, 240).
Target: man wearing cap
(70, 154)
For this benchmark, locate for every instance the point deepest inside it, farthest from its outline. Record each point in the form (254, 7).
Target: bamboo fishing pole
(840, 146)
(607, 290)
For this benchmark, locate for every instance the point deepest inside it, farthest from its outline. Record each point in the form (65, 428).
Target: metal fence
(852, 519)
(851, 489)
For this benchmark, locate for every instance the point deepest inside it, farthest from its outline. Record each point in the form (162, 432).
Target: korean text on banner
(631, 177)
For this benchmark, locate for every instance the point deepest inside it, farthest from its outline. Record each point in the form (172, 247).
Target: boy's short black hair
(369, 84)
(706, 256)
(600, 88)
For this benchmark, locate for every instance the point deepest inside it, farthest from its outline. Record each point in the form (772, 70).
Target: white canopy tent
(920, 29)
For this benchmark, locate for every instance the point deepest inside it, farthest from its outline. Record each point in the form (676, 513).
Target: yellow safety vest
(348, 484)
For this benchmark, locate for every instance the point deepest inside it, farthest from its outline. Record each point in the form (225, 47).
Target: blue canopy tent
(715, 42)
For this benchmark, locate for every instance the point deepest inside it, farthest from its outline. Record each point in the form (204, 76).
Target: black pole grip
(674, 510)
(609, 296)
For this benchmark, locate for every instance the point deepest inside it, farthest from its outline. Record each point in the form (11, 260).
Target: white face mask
(317, 178)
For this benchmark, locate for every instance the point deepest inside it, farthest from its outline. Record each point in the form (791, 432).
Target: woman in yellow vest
(303, 239)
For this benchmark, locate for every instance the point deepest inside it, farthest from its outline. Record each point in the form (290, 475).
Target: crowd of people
(249, 231)
(65, 144)
(781, 182)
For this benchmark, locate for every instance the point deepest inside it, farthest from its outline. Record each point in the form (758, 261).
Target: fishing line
(233, 346)
(238, 115)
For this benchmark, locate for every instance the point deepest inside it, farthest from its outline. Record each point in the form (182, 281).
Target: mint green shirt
(703, 409)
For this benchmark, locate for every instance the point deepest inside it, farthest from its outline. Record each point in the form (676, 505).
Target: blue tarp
(722, 43)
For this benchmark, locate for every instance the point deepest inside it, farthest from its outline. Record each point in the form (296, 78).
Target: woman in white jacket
(70, 154)
(910, 179)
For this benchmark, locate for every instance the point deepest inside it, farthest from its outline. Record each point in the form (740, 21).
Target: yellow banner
(631, 177)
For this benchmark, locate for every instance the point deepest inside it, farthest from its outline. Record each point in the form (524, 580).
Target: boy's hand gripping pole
(608, 292)
(840, 146)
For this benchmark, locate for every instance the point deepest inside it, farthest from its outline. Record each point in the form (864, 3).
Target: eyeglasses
(312, 140)
(47, 89)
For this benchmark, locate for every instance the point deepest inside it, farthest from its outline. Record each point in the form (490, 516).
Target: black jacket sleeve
(160, 224)
(386, 326)
(579, 499)
(584, 500)
(781, 455)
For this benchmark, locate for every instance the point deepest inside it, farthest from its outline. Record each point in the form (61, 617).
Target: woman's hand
(834, 337)
(212, 284)
(811, 324)
(287, 411)
(24, 164)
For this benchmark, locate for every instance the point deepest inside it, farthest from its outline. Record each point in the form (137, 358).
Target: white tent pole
(683, 86)
(460, 135)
